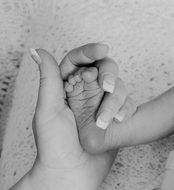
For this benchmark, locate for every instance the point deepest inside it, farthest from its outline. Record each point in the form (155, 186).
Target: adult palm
(61, 161)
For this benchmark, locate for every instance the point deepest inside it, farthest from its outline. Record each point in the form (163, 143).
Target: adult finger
(51, 94)
(81, 56)
(108, 74)
(111, 104)
(127, 110)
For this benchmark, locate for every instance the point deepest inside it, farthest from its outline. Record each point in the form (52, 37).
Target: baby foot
(84, 96)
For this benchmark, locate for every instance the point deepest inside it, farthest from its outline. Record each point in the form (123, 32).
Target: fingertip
(44, 55)
(49, 62)
(101, 124)
(104, 118)
(108, 84)
(103, 47)
(96, 51)
(83, 55)
(120, 116)
(108, 74)
(127, 111)
(35, 56)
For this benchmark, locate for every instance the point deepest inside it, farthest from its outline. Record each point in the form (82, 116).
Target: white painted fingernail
(104, 119)
(120, 116)
(101, 124)
(109, 84)
(35, 56)
(107, 87)
(170, 161)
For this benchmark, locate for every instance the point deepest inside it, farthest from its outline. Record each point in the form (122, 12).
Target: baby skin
(84, 96)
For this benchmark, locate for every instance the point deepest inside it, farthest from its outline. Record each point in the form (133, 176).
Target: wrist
(29, 182)
(41, 178)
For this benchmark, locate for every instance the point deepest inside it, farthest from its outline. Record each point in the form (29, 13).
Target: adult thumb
(51, 95)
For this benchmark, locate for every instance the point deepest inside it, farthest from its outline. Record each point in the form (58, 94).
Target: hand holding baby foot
(61, 162)
(93, 108)
(84, 96)
(95, 55)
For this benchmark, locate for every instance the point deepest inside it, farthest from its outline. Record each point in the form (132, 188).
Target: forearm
(153, 120)
(156, 117)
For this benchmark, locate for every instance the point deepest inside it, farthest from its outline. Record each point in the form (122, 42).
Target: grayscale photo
(86, 94)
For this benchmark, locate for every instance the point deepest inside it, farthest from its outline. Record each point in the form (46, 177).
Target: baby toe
(71, 80)
(90, 74)
(68, 87)
(77, 78)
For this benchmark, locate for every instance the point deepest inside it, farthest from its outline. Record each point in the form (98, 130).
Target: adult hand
(61, 162)
(151, 121)
(116, 99)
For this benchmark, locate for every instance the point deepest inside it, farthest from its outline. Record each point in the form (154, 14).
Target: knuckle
(129, 102)
(42, 81)
(120, 87)
(118, 98)
(132, 103)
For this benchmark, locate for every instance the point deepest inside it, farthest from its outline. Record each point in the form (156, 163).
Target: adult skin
(67, 165)
(61, 162)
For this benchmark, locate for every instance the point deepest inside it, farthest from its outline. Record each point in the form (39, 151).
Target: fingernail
(120, 116)
(109, 84)
(35, 56)
(104, 119)
(101, 124)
